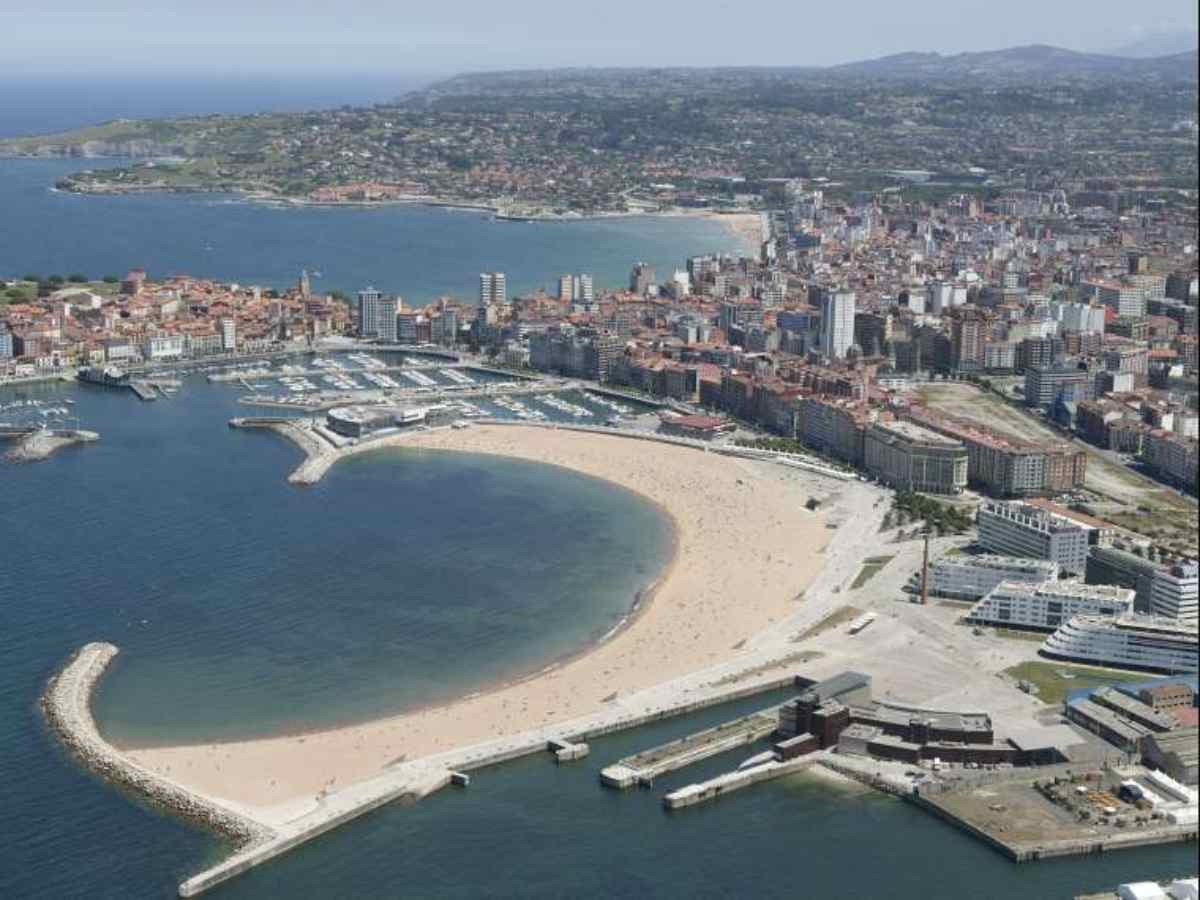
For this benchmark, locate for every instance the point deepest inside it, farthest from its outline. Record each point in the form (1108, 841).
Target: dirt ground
(1114, 492)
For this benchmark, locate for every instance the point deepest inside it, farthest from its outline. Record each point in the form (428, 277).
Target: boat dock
(727, 783)
(642, 768)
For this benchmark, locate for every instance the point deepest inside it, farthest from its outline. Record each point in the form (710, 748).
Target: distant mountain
(1035, 61)
(1163, 43)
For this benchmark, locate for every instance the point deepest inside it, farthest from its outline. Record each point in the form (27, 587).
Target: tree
(77, 278)
(111, 279)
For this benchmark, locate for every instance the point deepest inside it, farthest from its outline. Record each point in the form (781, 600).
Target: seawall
(67, 706)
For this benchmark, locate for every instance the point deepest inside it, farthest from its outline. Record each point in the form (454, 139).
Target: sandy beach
(745, 549)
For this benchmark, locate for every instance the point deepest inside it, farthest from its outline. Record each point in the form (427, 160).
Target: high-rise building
(1021, 529)
(368, 312)
(228, 334)
(837, 322)
(642, 278)
(6, 342)
(492, 288)
(385, 323)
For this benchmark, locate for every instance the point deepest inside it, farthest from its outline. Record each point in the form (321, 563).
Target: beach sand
(746, 548)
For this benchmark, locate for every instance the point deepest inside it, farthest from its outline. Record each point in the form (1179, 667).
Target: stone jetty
(67, 705)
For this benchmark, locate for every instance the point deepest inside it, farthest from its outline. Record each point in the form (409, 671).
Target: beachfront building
(368, 312)
(1016, 604)
(1131, 641)
(911, 458)
(961, 577)
(1023, 529)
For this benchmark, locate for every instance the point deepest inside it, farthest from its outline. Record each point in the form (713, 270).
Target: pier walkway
(642, 768)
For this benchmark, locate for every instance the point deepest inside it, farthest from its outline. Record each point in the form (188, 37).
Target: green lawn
(1055, 679)
(871, 567)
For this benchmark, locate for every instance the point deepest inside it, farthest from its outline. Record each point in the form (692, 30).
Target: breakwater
(67, 706)
(41, 444)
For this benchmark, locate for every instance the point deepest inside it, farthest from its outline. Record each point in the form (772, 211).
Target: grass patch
(1018, 635)
(1053, 680)
(869, 570)
(839, 616)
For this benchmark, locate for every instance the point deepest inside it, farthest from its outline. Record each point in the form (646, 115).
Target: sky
(236, 38)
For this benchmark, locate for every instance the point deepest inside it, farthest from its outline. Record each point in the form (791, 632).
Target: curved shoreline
(727, 585)
(66, 704)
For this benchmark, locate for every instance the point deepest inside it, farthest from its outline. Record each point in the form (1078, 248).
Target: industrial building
(1023, 529)
(962, 577)
(1174, 752)
(1015, 604)
(911, 458)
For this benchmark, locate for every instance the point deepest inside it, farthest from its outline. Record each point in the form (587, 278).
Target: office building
(493, 289)
(1045, 385)
(1015, 604)
(837, 322)
(1173, 592)
(228, 334)
(1021, 529)
(368, 312)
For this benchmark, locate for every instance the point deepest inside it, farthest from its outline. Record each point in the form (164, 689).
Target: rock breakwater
(67, 706)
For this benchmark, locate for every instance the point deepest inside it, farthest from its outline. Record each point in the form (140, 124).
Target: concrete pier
(642, 768)
(566, 751)
(703, 791)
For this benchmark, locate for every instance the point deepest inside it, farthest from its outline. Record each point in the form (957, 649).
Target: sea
(245, 606)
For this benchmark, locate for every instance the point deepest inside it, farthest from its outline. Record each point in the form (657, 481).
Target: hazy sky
(239, 37)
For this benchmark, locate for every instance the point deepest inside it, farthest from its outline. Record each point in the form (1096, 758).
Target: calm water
(269, 607)
(44, 106)
(418, 252)
(257, 607)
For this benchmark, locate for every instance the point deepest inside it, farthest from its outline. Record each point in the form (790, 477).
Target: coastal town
(925, 451)
(1000, 395)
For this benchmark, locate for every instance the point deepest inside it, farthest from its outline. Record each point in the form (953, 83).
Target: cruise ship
(1130, 641)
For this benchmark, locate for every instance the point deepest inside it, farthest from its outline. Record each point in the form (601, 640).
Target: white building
(837, 323)
(1173, 592)
(163, 346)
(368, 312)
(1131, 641)
(1020, 529)
(228, 334)
(386, 309)
(971, 577)
(1079, 317)
(1048, 605)
(492, 288)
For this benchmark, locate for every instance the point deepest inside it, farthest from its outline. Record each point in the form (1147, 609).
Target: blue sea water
(246, 606)
(32, 106)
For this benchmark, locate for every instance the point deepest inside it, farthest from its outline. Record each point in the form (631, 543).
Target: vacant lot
(1118, 494)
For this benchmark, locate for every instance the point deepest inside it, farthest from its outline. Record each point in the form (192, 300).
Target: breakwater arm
(67, 706)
